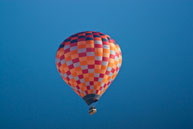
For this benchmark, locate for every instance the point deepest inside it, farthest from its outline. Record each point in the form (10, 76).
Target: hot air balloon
(89, 62)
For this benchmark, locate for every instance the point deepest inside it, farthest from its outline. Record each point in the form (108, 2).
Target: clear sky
(153, 90)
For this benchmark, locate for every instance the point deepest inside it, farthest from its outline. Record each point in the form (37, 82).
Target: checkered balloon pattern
(89, 62)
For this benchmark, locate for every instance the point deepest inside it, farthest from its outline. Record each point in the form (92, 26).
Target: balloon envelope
(89, 62)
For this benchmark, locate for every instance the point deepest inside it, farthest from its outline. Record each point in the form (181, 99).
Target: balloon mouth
(92, 110)
(91, 98)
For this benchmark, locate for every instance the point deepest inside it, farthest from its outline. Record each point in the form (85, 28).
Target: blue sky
(153, 90)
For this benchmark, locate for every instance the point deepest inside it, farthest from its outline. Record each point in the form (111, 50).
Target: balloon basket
(92, 110)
